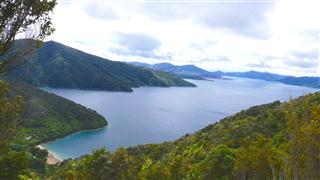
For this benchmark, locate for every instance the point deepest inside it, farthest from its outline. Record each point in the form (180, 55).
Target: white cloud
(230, 36)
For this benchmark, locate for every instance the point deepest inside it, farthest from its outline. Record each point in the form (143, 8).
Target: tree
(18, 18)
(218, 164)
(258, 159)
(24, 18)
(303, 119)
(9, 117)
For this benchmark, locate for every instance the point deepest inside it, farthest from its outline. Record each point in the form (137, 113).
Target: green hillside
(59, 66)
(271, 141)
(47, 116)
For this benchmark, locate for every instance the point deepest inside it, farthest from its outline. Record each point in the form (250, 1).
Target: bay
(154, 114)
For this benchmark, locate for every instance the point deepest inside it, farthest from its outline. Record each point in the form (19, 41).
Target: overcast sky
(275, 36)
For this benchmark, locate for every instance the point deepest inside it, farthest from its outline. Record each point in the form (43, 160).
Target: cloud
(302, 63)
(244, 18)
(138, 44)
(145, 54)
(101, 12)
(312, 54)
(137, 41)
(217, 35)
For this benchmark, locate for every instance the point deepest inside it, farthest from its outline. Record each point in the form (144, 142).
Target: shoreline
(74, 133)
(51, 158)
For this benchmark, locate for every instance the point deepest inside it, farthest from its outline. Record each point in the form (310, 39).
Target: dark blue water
(153, 115)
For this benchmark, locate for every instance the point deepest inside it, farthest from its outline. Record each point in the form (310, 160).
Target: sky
(279, 36)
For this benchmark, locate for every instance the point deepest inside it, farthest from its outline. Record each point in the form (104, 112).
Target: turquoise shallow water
(153, 114)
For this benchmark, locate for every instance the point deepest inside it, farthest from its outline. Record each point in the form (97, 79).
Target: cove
(154, 115)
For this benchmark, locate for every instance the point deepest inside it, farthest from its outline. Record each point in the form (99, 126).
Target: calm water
(152, 114)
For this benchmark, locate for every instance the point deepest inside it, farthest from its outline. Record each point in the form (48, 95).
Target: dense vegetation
(47, 116)
(184, 71)
(43, 117)
(56, 65)
(272, 141)
(30, 19)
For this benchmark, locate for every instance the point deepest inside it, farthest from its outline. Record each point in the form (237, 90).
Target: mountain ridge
(59, 66)
(198, 73)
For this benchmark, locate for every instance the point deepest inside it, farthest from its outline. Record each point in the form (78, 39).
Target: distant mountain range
(59, 66)
(185, 71)
(194, 72)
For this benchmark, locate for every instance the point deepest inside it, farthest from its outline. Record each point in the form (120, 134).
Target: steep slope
(60, 66)
(256, 143)
(47, 116)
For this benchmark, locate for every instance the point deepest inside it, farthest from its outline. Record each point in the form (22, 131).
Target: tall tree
(29, 19)
(24, 19)
(303, 119)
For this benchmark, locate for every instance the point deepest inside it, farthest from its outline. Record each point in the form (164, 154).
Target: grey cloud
(96, 11)
(137, 42)
(302, 63)
(299, 59)
(312, 54)
(270, 58)
(138, 45)
(245, 18)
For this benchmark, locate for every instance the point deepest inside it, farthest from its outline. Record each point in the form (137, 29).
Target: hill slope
(184, 71)
(47, 116)
(59, 66)
(271, 141)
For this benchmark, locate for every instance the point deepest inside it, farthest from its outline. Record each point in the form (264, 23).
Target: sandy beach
(51, 158)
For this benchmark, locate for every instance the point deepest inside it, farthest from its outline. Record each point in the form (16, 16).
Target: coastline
(74, 133)
(51, 158)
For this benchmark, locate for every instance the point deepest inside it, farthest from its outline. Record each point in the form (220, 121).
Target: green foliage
(218, 163)
(30, 18)
(59, 66)
(9, 117)
(272, 141)
(13, 164)
(47, 116)
(258, 159)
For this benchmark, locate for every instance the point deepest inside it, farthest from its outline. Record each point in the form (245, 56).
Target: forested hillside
(272, 141)
(47, 116)
(59, 66)
(185, 71)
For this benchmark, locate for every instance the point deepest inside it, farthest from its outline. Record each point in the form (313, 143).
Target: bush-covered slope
(184, 71)
(272, 141)
(60, 66)
(47, 116)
